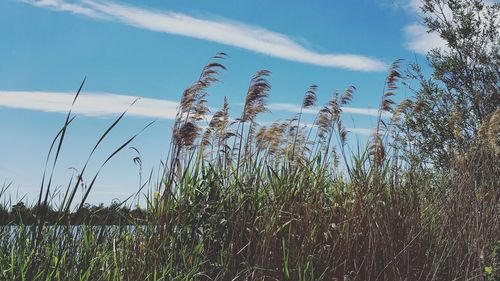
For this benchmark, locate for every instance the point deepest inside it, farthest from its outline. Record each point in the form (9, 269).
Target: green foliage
(463, 91)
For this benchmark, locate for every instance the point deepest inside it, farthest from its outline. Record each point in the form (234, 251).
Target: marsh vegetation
(294, 200)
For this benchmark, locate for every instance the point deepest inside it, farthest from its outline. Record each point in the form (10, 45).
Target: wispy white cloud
(418, 39)
(89, 104)
(295, 108)
(222, 31)
(63, 6)
(106, 104)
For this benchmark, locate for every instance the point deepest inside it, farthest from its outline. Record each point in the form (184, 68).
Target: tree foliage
(463, 90)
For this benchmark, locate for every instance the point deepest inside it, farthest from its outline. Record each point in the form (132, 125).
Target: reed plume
(255, 103)
(377, 149)
(309, 101)
(310, 97)
(347, 95)
(257, 93)
(489, 132)
(193, 106)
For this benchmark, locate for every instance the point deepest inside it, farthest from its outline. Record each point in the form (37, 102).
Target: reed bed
(287, 201)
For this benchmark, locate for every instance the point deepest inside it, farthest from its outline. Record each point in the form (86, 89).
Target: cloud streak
(107, 104)
(295, 108)
(223, 31)
(418, 40)
(63, 6)
(89, 104)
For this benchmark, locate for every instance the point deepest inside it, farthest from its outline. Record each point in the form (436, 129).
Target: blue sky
(155, 49)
